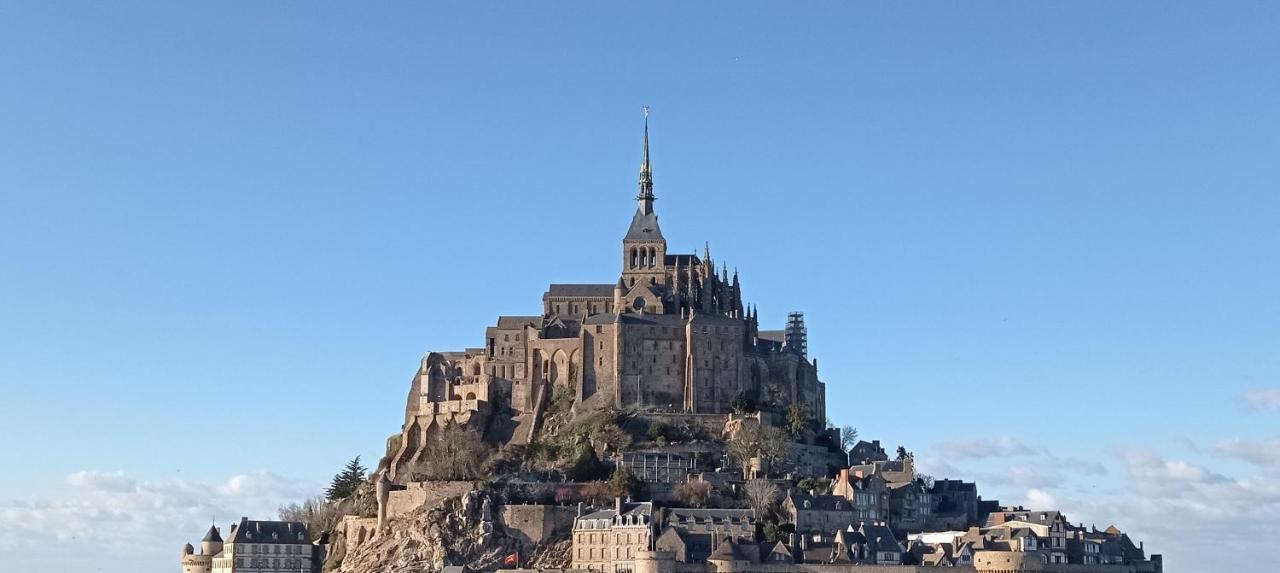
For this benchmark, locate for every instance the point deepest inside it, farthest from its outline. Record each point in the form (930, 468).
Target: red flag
(512, 559)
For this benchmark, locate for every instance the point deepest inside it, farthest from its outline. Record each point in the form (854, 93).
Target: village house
(608, 540)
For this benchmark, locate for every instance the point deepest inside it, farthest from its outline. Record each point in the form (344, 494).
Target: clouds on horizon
(1259, 452)
(1182, 506)
(980, 448)
(111, 514)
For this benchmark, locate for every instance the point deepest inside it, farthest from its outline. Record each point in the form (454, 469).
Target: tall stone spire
(646, 198)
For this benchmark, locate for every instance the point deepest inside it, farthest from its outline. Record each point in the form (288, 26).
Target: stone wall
(711, 424)
(1018, 562)
(825, 568)
(651, 362)
(417, 494)
(544, 492)
(810, 460)
(822, 568)
(537, 523)
(357, 530)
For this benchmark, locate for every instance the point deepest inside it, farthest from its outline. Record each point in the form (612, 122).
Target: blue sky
(1035, 242)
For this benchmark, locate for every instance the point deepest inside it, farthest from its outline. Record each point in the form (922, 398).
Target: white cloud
(89, 480)
(1031, 476)
(1038, 499)
(1181, 509)
(937, 467)
(1258, 452)
(1002, 446)
(1149, 468)
(1262, 399)
(137, 524)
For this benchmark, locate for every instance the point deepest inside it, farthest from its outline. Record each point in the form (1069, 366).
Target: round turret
(188, 549)
(212, 542)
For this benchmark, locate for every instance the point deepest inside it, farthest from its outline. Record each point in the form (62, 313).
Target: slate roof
(644, 228)
(819, 502)
(697, 546)
(684, 514)
(1037, 517)
(518, 321)
(282, 532)
(684, 260)
(213, 535)
(950, 485)
(643, 508)
(580, 290)
(880, 538)
(775, 549)
(772, 335)
(729, 550)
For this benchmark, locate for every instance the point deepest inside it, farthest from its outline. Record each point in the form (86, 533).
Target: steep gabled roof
(283, 532)
(213, 535)
(644, 228)
(508, 322)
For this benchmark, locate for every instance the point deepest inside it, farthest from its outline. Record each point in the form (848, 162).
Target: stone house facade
(693, 533)
(256, 547)
(609, 540)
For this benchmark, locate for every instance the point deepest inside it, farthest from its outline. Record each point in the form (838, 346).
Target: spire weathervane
(646, 198)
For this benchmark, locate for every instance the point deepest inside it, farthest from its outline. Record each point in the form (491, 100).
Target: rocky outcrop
(459, 530)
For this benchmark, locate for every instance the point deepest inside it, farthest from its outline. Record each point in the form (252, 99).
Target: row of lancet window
(643, 257)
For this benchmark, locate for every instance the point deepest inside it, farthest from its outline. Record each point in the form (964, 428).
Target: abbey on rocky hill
(671, 334)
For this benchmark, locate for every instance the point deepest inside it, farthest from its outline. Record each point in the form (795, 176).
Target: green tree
(775, 532)
(346, 481)
(612, 437)
(657, 429)
(622, 483)
(798, 419)
(585, 465)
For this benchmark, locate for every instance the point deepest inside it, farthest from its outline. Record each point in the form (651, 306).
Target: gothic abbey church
(670, 335)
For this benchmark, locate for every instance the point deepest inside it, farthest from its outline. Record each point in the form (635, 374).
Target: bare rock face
(454, 531)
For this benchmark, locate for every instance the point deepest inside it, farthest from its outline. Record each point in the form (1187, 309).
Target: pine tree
(346, 481)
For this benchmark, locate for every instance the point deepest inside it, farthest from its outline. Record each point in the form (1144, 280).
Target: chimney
(579, 509)
(617, 506)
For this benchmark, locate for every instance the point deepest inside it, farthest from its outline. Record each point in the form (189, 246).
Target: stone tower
(202, 562)
(644, 249)
(212, 542)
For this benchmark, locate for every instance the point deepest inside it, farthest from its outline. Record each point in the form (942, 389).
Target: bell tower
(644, 250)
